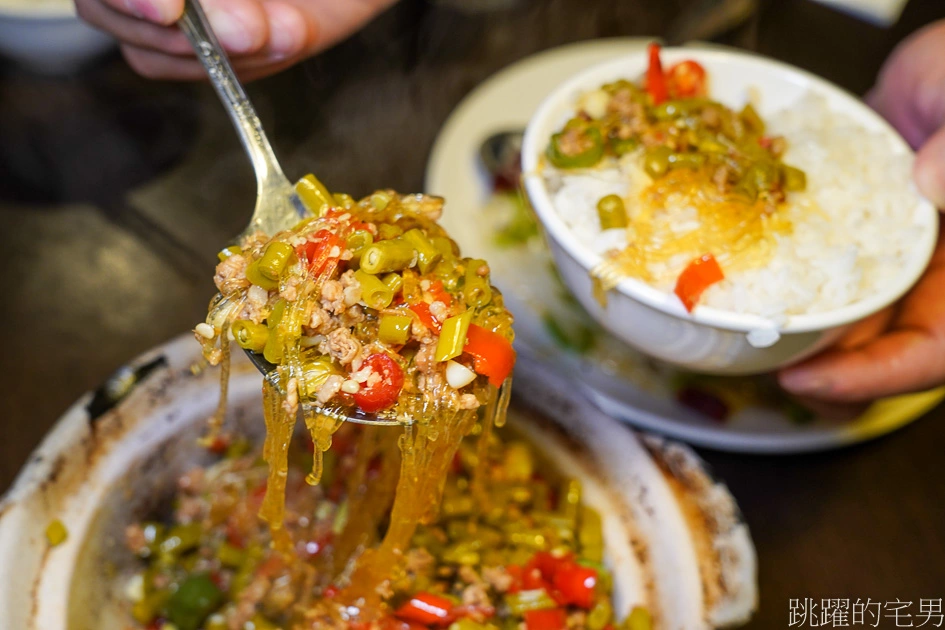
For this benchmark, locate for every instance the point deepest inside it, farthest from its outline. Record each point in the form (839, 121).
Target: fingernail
(802, 382)
(231, 31)
(144, 9)
(284, 36)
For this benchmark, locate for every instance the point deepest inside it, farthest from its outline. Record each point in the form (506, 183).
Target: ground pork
(230, 275)
(342, 346)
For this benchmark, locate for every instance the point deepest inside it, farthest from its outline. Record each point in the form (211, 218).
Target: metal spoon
(278, 207)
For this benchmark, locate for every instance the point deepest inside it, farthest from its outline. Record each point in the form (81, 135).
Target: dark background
(116, 193)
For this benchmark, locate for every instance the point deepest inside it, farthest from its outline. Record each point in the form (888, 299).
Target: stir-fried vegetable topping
(698, 155)
(513, 544)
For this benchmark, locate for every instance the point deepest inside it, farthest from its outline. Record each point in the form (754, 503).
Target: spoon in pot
(278, 206)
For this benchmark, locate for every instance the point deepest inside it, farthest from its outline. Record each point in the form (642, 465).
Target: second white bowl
(709, 339)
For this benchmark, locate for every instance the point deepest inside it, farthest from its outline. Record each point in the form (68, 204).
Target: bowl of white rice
(861, 234)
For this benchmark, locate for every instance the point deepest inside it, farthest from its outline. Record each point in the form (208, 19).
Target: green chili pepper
(386, 256)
(611, 212)
(394, 282)
(453, 336)
(254, 275)
(374, 293)
(521, 602)
(590, 154)
(427, 254)
(250, 335)
(192, 603)
(314, 194)
(476, 289)
(226, 252)
(275, 259)
(394, 329)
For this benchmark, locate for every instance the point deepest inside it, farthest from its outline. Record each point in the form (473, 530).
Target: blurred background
(117, 192)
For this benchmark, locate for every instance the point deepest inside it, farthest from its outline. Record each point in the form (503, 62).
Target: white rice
(852, 225)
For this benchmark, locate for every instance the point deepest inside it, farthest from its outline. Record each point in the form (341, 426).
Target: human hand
(902, 348)
(261, 36)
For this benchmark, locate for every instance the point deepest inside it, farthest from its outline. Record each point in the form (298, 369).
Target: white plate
(620, 380)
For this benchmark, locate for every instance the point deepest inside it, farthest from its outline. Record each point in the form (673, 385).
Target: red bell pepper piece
(440, 294)
(427, 609)
(384, 393)
(493, 355)
(422, 310)
(698, 276)
(575, 584)
(686, 79)
(655, 79)
(547, 619)
(318, 252)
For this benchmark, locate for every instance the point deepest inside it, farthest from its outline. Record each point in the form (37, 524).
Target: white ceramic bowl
(675, 539)
(47, 36)
(708, 340)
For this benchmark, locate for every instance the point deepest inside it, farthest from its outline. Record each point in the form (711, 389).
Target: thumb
(930, 167)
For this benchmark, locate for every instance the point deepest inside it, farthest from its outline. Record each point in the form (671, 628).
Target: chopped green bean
(394, 281)
(394, 329)
(388, 231)
(315, 372)
(344, 200)
(795, 180)
(274, 347)
(226, 252)
(380, 200)
(255, 276)
(752, 120)
(386, 256)
(275, 259)
(358, 242)
(476, 289)
(230, 556)
(181, 539)
(656, 161)
(600, 615)
(611, 212)
(518, 463)
(590, 535)
(314, 194)
(453, 336)
(571, 499)
(374, 293)
(638, 619)
(427, 254)
(250, 335)
(523, 601)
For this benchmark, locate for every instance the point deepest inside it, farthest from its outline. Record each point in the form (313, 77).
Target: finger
(289, 30)
(132, 30)
(930, 169)
(330, 21)
(866, 330)
(163, 12)
(161, 66)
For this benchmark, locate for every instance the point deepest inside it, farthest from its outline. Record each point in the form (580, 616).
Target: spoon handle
(196, 27)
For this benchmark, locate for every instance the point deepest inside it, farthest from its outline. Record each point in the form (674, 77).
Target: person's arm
(901, 349)
(261, 36)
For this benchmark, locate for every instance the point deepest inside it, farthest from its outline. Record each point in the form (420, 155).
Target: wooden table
(116, 193)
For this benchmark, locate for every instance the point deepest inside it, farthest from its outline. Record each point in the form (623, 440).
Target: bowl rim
(533, 147)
